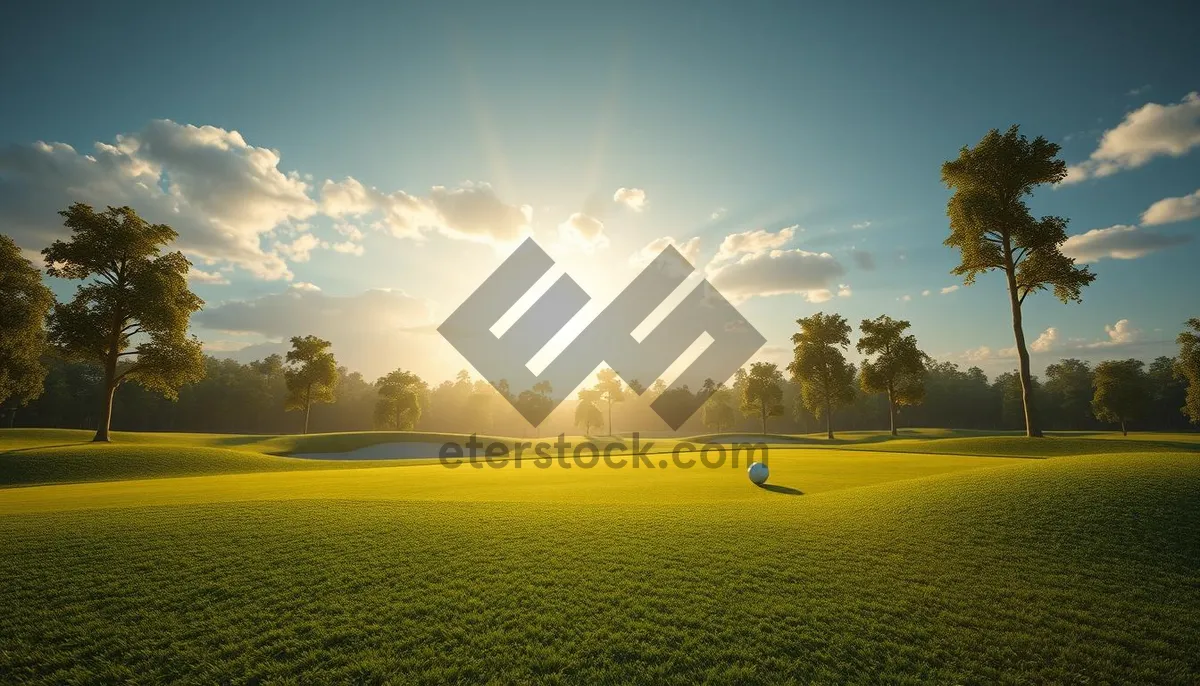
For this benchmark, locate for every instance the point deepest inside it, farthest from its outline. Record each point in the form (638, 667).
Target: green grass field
(937, 557)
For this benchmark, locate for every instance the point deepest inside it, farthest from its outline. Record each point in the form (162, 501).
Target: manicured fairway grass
(864, 565)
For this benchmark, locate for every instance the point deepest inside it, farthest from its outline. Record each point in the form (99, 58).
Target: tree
(131, 314)
(1168, 394)
(1122, 392)
(899, 366)
(587, 414)
(1187, 366)
(400, 400)
(611, 390)
(24, 304)
(311, 374)
(535, 401)
(991, 226)
(762, 392)
(1068, 387)
(719, 413)
(826, 379)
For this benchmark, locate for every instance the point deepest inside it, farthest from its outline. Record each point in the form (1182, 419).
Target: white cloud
(1118, 242)
(211, 278)
(978, 354)
(1045, 342)
(753, 242)
(304, 286)
(584, 231)
(1120, 333)
(949, 289)
(1150, 131)
(861, 225)
(347, 248)
(690, 249)
(220, 193)
(844, 291)
(300, 249)
(472, 212)
(1170, 210)
(926, 292)
(778, 272)
(718, 213)
(633, 198)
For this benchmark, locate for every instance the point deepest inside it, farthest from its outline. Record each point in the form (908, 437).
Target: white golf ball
(758, 473)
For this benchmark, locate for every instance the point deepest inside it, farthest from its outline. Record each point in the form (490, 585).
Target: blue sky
(477, 123)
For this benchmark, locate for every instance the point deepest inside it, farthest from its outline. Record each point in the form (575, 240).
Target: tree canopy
(898, 368)
(826, 379)
(311, 374)
(762, 392)
(131, 313)
(1122, 392)
(1187, 366)
(993, 229)
(24, 304)
(401, 398)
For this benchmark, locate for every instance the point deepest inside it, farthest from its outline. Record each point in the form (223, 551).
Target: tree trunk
(1123, 431)
(610, 431)
(892, 409)
(106, 399)
(828, 418)
(1031, 425)
(307, 406)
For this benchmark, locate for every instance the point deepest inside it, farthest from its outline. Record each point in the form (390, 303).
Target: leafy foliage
(311, 374)
(762, 392)
(719, 412)
(135, 303)
(899, 365)
(993, 229)
(401, 397)
(611, 390)
(1122, 391)
(1187, 366)
(826, 379)
(24, 303)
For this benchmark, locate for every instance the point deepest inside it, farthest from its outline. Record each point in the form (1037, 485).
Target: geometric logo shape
(608, 339)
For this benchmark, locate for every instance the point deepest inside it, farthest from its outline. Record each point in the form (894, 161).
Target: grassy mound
(1032, 571)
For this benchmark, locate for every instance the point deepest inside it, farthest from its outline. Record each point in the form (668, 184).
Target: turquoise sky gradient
(732, 117)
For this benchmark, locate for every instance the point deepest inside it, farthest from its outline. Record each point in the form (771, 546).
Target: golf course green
(935, 557)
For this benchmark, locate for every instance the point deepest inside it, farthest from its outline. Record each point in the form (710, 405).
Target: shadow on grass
(43, 447)
(782, 490)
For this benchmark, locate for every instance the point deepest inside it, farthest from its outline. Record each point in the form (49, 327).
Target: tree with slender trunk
(587, 414)
(131, 315)
(826, 379)
(612, 390)
(762, 392)
(24, 304)
(899, 365)
(1122, 392)
(401, 398)
(311, 375)
(991, 226)
(718, 409)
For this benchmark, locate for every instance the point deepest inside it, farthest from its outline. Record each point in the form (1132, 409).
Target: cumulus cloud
(690, 249)
(949, 289)
(633, 198)
(471, 212)
(222, 194)
(861, 225)
(584, 231)
(753, 242)
(1119, 333)
(1150, 131)
(1045, 342)
(300, 249)
(373, 331)
(926, 292)
(211, 278)
(844, 291)
(778, 272)
(1170, 210)
(1118, 242)
(718, 213)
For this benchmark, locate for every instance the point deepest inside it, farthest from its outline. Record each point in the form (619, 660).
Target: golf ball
(758, 473)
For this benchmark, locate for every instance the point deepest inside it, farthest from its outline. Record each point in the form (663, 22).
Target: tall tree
(991, 226)
(826, 379)
(1068, 388)
(718, 409)
(762, 392)
(1122, 392)
(611, 390)
(1187, 366)
(899, 365)
(311, 374)
(587, 414)
(24, 303)
(400, 400)
(1168, 394)
(131, 313)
